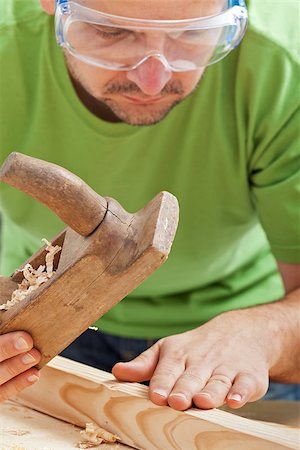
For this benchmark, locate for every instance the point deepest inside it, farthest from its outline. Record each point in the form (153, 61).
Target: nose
(151, 76)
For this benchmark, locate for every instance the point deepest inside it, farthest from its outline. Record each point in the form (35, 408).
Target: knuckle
(192, 377)
(143, 357)
(168, 368)
(175, 361)
(3, 395)
(12, 368)
(172, 344)
(163, 376)
(5, 350)
(171, 340)
(252, 386)
(173, 356)
(224, 379)
(161, 341)
(36, 355)
(250, 380)
(7, 390)
(11, 388)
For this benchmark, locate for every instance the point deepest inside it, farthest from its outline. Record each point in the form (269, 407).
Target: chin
(141, 115)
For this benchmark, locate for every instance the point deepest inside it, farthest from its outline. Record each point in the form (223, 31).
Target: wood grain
(7, 286)
(79, 394)
(22, 428)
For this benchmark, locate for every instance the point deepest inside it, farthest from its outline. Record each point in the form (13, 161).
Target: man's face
(145, 95)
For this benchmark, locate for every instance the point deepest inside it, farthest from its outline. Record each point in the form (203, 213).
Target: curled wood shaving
(93, 436)
(33, 278)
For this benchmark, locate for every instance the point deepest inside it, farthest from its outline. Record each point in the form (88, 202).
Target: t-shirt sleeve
(275, 171)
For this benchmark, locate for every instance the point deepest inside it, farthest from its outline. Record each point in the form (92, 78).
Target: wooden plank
(22, 428)
(78, 394)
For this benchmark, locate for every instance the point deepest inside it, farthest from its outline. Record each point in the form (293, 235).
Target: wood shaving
(14, 432)
(33, 278)
(93, 436)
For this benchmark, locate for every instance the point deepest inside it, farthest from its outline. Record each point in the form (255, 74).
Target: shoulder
(275, 23)
(268, 59)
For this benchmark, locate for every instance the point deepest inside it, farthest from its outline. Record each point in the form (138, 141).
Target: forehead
(158, 9)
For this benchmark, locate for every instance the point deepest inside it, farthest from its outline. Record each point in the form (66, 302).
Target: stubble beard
(130, 113)
(147, 114)
(141, 115)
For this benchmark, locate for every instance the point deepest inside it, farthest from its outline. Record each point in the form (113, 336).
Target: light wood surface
(22, 428)
(280, 412)
(78, 394)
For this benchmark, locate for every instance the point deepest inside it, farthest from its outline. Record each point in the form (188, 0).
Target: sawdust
(14, 447)
(14, 408)
(93, 436)
(33, 278)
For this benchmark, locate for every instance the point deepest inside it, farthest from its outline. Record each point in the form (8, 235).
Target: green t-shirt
(229, 152)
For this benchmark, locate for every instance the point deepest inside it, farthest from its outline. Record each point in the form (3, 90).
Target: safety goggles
(123, 43)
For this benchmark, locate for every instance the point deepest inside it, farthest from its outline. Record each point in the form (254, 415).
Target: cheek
(93, 79)
(189, 80)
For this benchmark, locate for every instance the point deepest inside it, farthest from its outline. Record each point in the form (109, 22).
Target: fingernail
(21, 344)
(160, 392)
(28, 359)
(235, 397)
(33, 378)
(179, 395)
(205, 394)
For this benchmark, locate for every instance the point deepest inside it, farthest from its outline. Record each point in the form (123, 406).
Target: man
(221, 319)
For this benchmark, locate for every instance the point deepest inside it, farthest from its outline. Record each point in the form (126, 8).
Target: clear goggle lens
(119, 43)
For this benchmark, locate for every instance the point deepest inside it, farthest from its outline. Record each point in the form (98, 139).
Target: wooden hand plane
(106, 253)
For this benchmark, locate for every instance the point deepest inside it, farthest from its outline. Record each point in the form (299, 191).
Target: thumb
(140, 368)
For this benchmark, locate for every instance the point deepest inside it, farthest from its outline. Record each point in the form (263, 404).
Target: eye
(110, 32)
(190, 35)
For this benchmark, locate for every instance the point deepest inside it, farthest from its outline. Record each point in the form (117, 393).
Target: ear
(48, 6)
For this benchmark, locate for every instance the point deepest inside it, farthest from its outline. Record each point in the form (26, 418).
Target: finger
(12, 367)
(12, 344)
(18, 383)
(169, 368)
(247, 388)
(215, 391)
(140, 368)
(192, 380)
